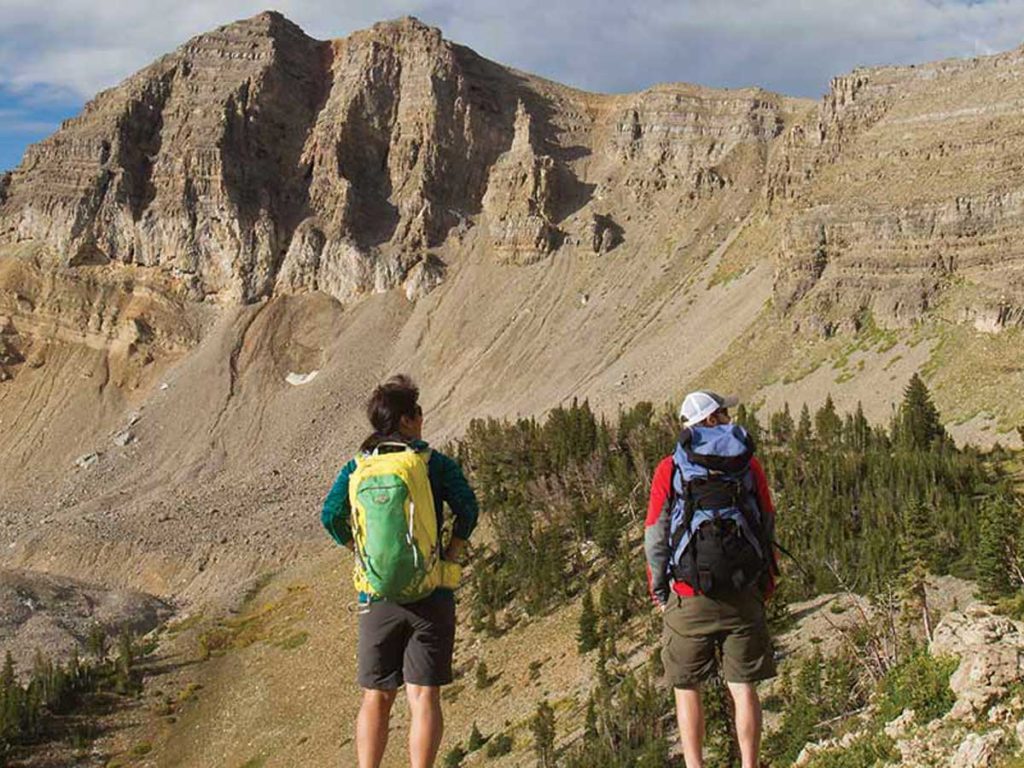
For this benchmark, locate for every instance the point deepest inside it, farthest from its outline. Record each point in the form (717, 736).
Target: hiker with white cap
(709, 543)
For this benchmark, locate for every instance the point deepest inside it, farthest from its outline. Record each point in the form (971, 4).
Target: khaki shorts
(698, 629)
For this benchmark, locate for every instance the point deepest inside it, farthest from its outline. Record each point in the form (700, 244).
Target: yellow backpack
(394, 524)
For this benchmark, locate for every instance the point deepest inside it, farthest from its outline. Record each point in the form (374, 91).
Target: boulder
(991, 651)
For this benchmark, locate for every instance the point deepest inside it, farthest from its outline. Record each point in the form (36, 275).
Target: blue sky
(54, 56)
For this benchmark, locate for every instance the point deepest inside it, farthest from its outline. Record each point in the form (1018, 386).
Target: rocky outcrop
(902, 186)
(519, 203)
(256, 159)
(991, 651)
(53, 615)
(255, 156)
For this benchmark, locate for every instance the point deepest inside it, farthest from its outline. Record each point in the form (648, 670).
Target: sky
(56, 55)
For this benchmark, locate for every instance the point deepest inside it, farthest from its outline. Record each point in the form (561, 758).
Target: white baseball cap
(697, 406)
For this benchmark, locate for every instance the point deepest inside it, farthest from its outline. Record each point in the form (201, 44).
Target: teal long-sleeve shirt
(447, 482)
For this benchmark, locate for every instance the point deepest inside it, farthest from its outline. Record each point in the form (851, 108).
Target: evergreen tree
(917, 550)
(97, 642)
(858, 431)
(781, 426)
(918, 426)
(590, 721)
(998, 561)
(543, 728)
(587, 637)
(804, 431)
(917, 540)
(827, 424)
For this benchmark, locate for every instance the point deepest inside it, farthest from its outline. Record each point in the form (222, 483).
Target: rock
(602, 233)
(991, 651)
(124, 438)
(899, 727)
(519, 201)
(298, 379)
(848, 252)
(978, 750)
(425, 276)
(255, 140)
(87, 460)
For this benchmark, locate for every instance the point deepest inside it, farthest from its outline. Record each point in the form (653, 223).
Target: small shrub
(535, 669)
(483, 678)
(921, 683)
(500, 744)
(454, 757)
(866, 752)
(142, 749)
(292, 642)
(476, 739)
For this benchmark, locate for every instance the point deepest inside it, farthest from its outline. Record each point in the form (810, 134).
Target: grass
(294, 641)
(271, 623)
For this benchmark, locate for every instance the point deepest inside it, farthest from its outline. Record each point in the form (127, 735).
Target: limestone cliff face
(255, 155)
(255, 159)
(905, 182)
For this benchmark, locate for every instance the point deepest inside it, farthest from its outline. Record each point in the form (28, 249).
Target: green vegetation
(920, 683)
(866, 751)
(34, 711)
(863, 508)
(500, 744)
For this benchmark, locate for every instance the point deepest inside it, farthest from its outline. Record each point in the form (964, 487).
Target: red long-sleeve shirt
(658, 512)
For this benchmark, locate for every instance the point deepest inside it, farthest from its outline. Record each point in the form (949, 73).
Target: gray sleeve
(656, 548)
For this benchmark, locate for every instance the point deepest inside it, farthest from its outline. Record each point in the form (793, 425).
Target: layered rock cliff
(255, 159)
(905, 182)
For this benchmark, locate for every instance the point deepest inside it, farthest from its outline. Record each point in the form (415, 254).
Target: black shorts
(410, 643)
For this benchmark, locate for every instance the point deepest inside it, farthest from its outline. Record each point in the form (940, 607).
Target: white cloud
(789, 45)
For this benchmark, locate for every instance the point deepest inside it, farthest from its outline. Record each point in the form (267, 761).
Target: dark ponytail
(390, 401)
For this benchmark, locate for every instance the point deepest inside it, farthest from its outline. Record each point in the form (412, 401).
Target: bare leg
(372, 726)
(427, 724)
(748, 721)
(690, 714)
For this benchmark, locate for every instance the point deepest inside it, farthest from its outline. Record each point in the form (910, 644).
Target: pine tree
(97, 642)
(918, 426)
(998, 561)
(587, 638)
(917, 554)
(476, 739)
(804, 431)
(781, 426)
(543, 728)
(858, 431)
(827, 423)
(590, 721)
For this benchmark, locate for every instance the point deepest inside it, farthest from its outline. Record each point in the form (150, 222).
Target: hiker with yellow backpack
(387, 507)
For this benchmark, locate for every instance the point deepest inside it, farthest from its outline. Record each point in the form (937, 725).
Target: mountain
(203, 274)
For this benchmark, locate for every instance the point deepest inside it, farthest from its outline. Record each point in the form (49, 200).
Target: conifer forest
(861, 508)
